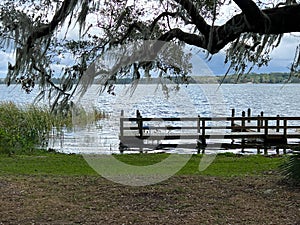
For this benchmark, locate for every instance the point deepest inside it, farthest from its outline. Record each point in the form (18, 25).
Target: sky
(282, 56)
(4, 59)
(281, 59)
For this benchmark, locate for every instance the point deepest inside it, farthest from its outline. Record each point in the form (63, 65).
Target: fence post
(243, 145)
(277, 123)
(243, 129)
(277, 150)
(266, 127)
(203, 133)
(122, 123)
(249, 114)
(266, 150)
(258, 150)
(261, 121)
(198, 125)
(285, 127)
(232, 121)
(139, 122)
(243, 121)
(258, 123)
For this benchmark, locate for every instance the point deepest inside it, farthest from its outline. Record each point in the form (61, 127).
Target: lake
(157, 101)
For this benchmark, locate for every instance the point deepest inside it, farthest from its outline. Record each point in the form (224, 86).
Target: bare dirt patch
(179, 200)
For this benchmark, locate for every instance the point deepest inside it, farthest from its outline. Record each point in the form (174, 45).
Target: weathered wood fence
(199, 133)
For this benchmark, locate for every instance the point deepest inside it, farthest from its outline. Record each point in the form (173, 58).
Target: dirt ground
(179, 200)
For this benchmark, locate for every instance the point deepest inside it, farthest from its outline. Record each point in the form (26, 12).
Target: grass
(225, 165)
(62, 189)
(24, 127)
(44, 163)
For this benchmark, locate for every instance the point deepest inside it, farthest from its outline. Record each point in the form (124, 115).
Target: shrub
(291, 168)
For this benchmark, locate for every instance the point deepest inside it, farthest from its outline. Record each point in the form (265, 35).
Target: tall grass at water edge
(23, 128)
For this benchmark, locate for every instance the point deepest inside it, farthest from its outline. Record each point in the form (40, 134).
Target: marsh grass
(22, 128)
(25, 128)
(82, 117)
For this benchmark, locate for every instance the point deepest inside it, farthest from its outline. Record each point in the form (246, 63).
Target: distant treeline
(255, 78)
(54, 80)
(271, 78)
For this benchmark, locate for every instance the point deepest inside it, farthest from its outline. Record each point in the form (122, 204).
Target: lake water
(155, 101)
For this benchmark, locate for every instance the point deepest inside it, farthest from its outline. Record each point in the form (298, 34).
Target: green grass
(43, 163)
(141, 159)
(227, 166)
(224, 165)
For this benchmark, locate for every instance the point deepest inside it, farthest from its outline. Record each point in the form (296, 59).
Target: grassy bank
(52, 188)
(43, 163)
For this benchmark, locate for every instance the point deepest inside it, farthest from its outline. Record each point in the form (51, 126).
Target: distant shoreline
(252, 78)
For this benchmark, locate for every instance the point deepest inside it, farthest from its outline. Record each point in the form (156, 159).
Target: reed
(82, 117)
(23, 128)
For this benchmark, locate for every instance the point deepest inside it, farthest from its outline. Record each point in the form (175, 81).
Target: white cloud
(5, 58)
(287, 48)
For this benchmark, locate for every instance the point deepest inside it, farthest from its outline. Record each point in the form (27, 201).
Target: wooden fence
(200, 133)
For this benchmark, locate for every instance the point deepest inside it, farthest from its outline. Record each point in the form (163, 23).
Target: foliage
(40, 35)
(25, 128)
(291, 168)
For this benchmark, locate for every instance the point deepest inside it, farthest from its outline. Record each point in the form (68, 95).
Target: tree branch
(254, 16)
(197, 19)
(192, 39)
(282, 20)
(131, 28)
(66, 8)
(164, 14)
(137, 26)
